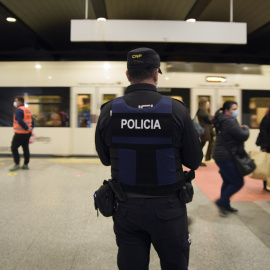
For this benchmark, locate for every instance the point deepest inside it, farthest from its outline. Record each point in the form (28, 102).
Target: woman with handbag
(204, 120)
(263, 139)
(230, 137)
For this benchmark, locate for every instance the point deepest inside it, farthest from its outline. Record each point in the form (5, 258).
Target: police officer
(146, 138)
(23, 125)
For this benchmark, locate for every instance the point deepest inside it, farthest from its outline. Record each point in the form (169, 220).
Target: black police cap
(143, 58)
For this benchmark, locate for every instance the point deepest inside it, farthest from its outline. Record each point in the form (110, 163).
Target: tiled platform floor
(47, 221)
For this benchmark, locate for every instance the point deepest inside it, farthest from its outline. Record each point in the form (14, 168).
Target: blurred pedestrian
(23, 125)
(264, 139)
(204, 120)
(230, 137)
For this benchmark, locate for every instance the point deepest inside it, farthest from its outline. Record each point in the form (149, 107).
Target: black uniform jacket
(184, 135)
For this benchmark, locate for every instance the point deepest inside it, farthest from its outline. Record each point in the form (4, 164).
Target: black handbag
(245, 165)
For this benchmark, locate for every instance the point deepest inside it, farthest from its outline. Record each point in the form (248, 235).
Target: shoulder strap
(196, 114)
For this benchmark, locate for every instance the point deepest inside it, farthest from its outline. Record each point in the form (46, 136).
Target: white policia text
(140, 124)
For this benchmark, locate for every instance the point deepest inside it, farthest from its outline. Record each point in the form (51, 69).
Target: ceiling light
(37, 66)
(191, 20)
(101, 19)
(215, 79)
(106, 66)
(10, 19)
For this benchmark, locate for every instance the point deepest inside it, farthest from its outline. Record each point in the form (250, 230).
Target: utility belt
(106, 198)
(146, 196)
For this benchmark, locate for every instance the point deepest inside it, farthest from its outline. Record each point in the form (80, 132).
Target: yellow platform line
(75, 160)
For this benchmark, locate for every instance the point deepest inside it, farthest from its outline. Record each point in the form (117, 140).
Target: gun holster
(106, 197)
(186, 192)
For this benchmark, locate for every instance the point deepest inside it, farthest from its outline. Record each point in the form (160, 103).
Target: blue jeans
(232, 181)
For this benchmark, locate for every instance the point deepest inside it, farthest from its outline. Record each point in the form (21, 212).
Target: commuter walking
(264, 139)
(204, 120)
(23, 125)
(230, 137)
(146, 138)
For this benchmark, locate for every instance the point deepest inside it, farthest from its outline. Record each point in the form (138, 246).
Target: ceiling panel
(148, 10)
(42, 31)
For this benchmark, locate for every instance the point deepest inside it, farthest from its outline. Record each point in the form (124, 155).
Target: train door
(196, 94)
(216, 97)
(85, 109)
(223, 95)
(83, 120)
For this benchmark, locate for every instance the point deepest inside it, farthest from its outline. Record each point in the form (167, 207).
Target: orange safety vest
(27, 119)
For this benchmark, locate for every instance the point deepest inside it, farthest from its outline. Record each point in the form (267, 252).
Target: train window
(177, 97)
(226, 98)
(84, 110)
(47, 110)
(255, 104)
(182, 94)
(108, 97)
(49, 105)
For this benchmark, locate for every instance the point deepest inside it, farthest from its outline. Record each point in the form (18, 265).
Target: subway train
(65, 97)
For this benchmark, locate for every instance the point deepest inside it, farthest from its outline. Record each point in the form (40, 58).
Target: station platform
(48, 220)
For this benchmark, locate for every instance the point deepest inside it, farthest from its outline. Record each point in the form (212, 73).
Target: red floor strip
(209, 181)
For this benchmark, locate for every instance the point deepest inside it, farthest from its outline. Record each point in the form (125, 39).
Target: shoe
(265, 185)
(203, 164)
(221, 208)
(230, 209)
(14, 168)
(25, 167)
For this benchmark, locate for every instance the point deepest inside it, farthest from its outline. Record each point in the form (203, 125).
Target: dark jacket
(233, 134)
(264, 135)
(184, 135)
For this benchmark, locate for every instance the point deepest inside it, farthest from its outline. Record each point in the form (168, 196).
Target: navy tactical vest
(143, 158)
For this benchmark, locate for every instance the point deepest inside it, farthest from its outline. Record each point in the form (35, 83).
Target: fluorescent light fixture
(215, 79)
(10, 19)
(191, 20)
(101, 19)
(106, 66)
(158, 31)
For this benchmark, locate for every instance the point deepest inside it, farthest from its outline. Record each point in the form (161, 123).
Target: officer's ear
(127, 75)
(156, 75)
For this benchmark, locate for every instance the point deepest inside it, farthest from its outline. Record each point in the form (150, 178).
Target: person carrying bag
(228, 151)
(262, 158)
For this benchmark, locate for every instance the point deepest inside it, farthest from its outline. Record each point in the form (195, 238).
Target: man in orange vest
(23, 125)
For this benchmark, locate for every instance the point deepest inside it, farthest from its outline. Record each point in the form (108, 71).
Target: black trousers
(162, 222)
(17, 141)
